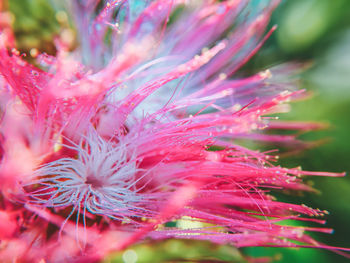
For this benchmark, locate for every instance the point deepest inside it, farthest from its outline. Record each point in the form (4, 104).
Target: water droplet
(221, 9)
(34, 73)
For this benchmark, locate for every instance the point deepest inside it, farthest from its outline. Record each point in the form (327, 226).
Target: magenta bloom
(138, 126)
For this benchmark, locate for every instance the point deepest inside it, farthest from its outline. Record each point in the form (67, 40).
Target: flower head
(101, 178)
(139, 126)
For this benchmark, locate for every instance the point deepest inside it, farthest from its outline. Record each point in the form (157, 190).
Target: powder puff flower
(103, 145)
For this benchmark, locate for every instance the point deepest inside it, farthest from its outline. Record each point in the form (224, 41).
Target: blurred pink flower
(101, 146)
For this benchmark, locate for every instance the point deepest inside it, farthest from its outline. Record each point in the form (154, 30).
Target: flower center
(92, 180)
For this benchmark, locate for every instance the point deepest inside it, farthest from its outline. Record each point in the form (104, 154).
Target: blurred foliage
(309, 30)
(317, 31)
(303, 23)
(34, 25)
(178, 251)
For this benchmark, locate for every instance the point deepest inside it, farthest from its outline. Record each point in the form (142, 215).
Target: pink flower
(103, 145)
